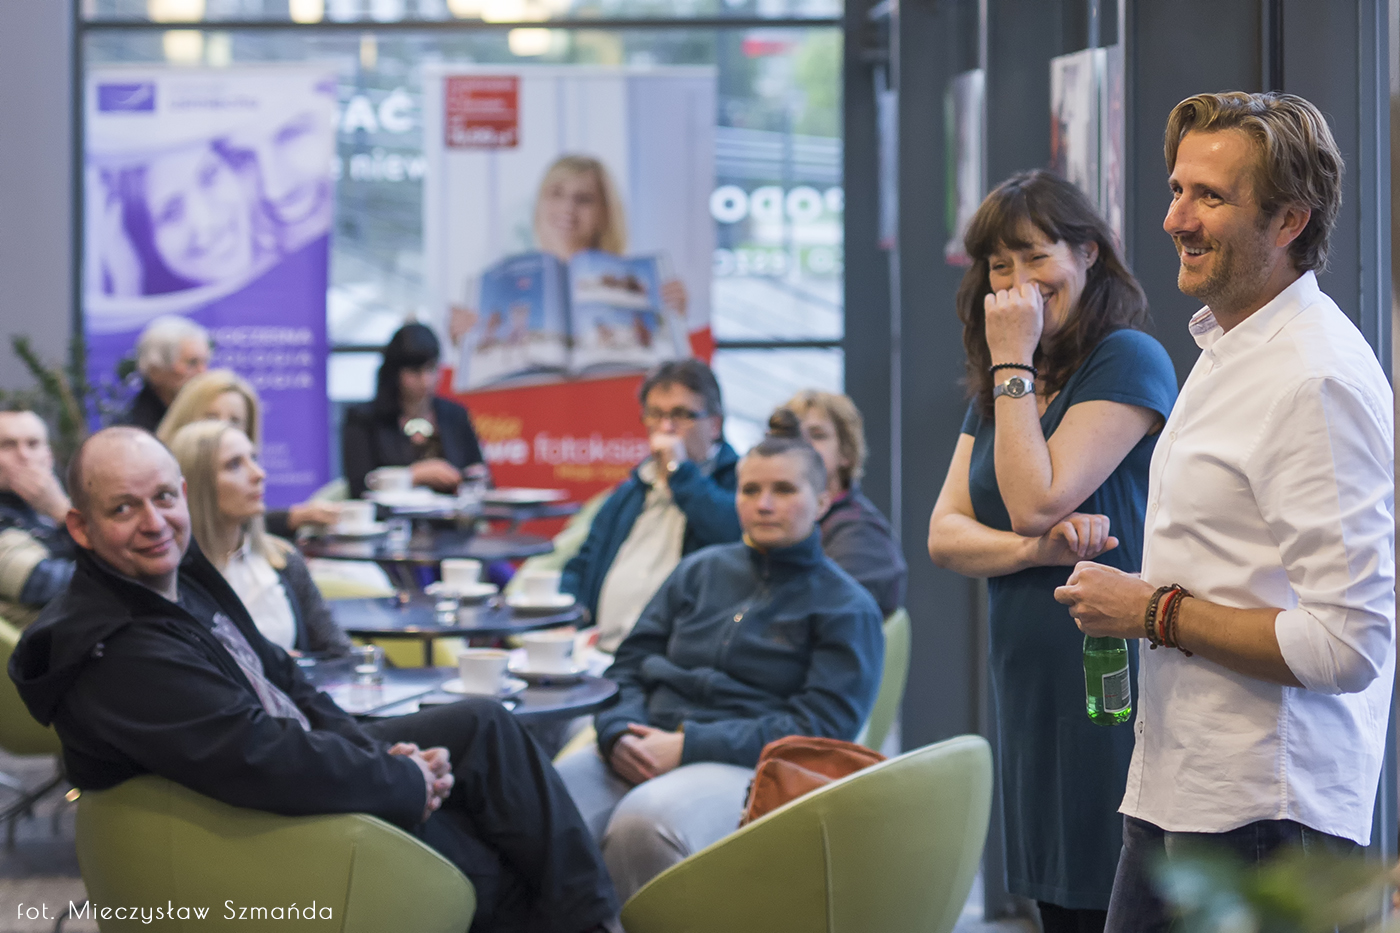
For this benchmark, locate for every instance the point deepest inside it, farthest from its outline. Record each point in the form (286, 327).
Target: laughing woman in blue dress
(1068, 395)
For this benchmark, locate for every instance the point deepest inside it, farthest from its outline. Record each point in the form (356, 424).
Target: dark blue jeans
(1135, 906)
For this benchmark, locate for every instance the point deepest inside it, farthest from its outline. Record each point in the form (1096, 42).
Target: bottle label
(1117, 691)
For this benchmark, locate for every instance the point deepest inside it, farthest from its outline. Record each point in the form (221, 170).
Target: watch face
(1016, 387)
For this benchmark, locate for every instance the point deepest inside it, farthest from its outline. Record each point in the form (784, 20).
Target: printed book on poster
(538, 317)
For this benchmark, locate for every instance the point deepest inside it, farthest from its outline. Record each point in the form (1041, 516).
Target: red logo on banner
(483, 112)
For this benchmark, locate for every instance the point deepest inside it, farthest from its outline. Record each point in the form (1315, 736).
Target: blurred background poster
(209, 194)
(1087, 126)
(965, 159)
(569, 247)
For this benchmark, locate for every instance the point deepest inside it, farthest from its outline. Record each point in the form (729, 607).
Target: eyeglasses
(675, 415)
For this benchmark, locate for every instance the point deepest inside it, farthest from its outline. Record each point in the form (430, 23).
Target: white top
(260, 589)
(643, 562)
(1273, 485)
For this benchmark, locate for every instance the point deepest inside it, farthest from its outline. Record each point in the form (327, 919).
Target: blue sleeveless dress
(1062, 776)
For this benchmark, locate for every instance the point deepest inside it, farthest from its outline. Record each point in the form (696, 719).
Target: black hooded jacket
(135, 684)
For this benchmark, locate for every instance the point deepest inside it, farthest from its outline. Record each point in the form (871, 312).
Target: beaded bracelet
(1173, 617)
(1035, 373)
(1164, 609)
(1149, 622)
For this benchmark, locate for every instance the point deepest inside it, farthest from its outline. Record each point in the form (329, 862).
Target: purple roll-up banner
(209, 194)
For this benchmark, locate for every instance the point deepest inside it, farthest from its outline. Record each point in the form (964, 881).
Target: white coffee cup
(390, 479)
(549, 652)
(461, 573)
(356, 515)
(540, 586)
(482, 670)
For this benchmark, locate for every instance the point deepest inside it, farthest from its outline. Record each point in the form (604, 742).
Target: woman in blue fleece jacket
(743, 644)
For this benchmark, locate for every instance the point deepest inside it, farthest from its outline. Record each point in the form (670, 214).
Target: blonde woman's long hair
(612, 238)
(193, 401)
(850, 428)
(196, 449)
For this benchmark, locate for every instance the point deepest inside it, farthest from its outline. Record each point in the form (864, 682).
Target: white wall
(36, 209)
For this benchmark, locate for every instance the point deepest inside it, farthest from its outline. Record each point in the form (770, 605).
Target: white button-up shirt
(1273, 485)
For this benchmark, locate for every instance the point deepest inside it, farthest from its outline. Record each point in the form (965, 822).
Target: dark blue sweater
(710, 518)
(741, 647)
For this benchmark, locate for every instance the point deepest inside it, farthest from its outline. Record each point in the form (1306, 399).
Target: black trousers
(509, 824)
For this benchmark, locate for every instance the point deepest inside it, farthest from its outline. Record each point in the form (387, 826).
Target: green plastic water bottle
(1108, 693)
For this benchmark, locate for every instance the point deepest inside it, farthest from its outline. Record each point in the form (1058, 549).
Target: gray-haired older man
(169, 353)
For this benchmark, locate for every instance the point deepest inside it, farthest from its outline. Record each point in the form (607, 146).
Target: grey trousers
(644, 830)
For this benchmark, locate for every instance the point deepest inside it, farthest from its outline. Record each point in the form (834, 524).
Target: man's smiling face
(133, 514)
(1225, 241)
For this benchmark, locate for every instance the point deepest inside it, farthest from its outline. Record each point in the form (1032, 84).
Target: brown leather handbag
(799, 764)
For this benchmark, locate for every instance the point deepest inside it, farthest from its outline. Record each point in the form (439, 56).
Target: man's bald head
(114, 441)
(129, 506)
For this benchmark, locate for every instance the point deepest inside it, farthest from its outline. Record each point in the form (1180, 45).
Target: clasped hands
(436, 765)
(1076, 537)
(645, 752)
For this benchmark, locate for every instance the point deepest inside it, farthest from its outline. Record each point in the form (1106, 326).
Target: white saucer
(419, 497)
(475, 591)
(548, 677)
(519, 495)
(359, 531)
(521, 603)
(510, 688)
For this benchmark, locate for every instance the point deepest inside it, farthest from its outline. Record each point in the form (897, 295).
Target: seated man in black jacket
(36, 554)
(150, 664)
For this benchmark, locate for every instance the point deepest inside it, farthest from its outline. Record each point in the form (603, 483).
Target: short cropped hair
(1299, 162)
(160, 341)
(692, 374)
(812, 465)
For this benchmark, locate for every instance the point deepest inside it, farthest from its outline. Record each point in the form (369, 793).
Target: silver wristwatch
(1015, 387)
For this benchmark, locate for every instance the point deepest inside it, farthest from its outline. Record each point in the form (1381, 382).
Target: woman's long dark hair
(1111, 300)
(413, 346)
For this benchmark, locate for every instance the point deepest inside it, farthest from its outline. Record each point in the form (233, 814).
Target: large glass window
(776, 293)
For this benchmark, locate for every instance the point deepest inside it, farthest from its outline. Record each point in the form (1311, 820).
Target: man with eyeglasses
(678, 500)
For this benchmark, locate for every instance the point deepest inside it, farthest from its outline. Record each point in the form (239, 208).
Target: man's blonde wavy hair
(1299, 162)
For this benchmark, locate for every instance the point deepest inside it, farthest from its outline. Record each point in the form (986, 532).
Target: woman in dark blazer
(407, 425)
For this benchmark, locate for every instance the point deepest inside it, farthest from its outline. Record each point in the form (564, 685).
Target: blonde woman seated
(222, 395)
(225, 493)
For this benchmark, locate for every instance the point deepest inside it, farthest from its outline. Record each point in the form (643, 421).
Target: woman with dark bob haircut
(1067, 398)
(407, 424)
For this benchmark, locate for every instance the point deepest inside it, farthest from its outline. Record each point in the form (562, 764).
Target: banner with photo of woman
(208, 194)
(569, 247)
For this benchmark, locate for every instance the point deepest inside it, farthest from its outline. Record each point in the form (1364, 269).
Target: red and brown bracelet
(1149, 621)
(1173, 617)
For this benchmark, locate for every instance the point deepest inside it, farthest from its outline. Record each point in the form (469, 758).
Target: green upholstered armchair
(892, 681)
(890, 849)
(21, 734)
(150, 842)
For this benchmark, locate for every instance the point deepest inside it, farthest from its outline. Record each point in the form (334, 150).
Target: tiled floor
(42, 869)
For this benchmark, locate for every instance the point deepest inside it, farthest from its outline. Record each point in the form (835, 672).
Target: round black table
(391, 617)
(430, 546)
(406, 690)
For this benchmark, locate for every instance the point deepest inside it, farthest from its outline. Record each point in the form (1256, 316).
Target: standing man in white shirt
(1268, 572)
